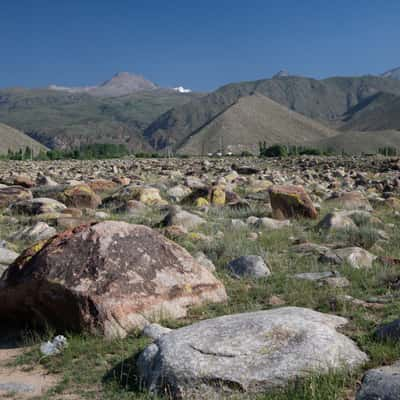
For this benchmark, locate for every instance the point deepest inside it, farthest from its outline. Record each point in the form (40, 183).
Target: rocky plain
(201, 278)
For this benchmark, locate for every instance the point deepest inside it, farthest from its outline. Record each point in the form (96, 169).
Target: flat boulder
(108, 278)
(13, 194)
(41, 205)
(246, 354)
(290, 201)
(350, 201)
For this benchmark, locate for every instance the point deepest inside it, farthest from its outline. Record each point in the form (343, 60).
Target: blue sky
(198, 44)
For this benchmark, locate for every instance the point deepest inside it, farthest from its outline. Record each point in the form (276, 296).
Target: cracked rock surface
(246, 353)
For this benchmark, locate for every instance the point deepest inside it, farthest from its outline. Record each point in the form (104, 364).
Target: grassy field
(94, 368)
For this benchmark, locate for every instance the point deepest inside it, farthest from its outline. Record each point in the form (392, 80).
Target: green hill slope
(63, 120)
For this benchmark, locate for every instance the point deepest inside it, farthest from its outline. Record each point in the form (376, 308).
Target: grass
(96, 368)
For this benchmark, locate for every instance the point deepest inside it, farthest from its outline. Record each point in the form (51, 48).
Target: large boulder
(13, 194)
(80, 196)
(250, 353)
(381, 384)
(108, 278)
(289, 201)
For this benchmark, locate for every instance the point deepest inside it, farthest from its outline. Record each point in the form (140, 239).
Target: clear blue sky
(200, 44)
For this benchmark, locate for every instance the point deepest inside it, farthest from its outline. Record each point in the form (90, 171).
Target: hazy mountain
(327, 101)
(393, 73)
(63, 119)
(13, 139)
(120, 84)
(250, 120)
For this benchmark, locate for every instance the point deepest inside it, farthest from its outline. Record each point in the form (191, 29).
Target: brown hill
(253, 119)
(13, 139)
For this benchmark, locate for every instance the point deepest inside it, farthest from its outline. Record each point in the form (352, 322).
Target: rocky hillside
(63, 119)
(327, 101)
(13, 139)
(393, 73)
(378, 112)
(253, 119)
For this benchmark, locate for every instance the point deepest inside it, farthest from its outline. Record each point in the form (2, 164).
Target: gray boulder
(250, 353)
(381, 384)
(177, 216)
(390, 331)
(249, 266)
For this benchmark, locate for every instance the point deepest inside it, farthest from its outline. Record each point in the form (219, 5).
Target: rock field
(201, 278)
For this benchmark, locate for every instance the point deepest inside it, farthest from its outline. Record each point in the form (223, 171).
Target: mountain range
(284, 109)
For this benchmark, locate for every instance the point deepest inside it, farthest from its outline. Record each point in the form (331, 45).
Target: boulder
(268, 223)
(390, 331)
(41, 205)
(80, 196)
(179, 217)
(381, 384)
(24, 181)
(349, 201)
(336, 221)
(40, 231)
(108, 278)
(246, 354)
(356, 257)
(289, 201)
(218, 196)
(7, 256)
(178, 192)
(145, 194)
(13, 194)
(249, 266)
(102, 186)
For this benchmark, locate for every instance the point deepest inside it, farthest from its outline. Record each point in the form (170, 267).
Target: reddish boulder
(108, 278)
(289, 201)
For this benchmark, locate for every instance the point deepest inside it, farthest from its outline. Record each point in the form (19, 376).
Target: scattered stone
(249, 266)
(381, 384)
(13, 194)
(291, 202)
(350, 201)
(155, 331)
(177, 216)
(356, 257)
(390, 331)
(56, 346)
(40, 231)
(80, 196)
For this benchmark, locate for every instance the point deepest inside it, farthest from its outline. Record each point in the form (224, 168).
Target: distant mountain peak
(393, 73)
(122, 83)
(281, 74)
